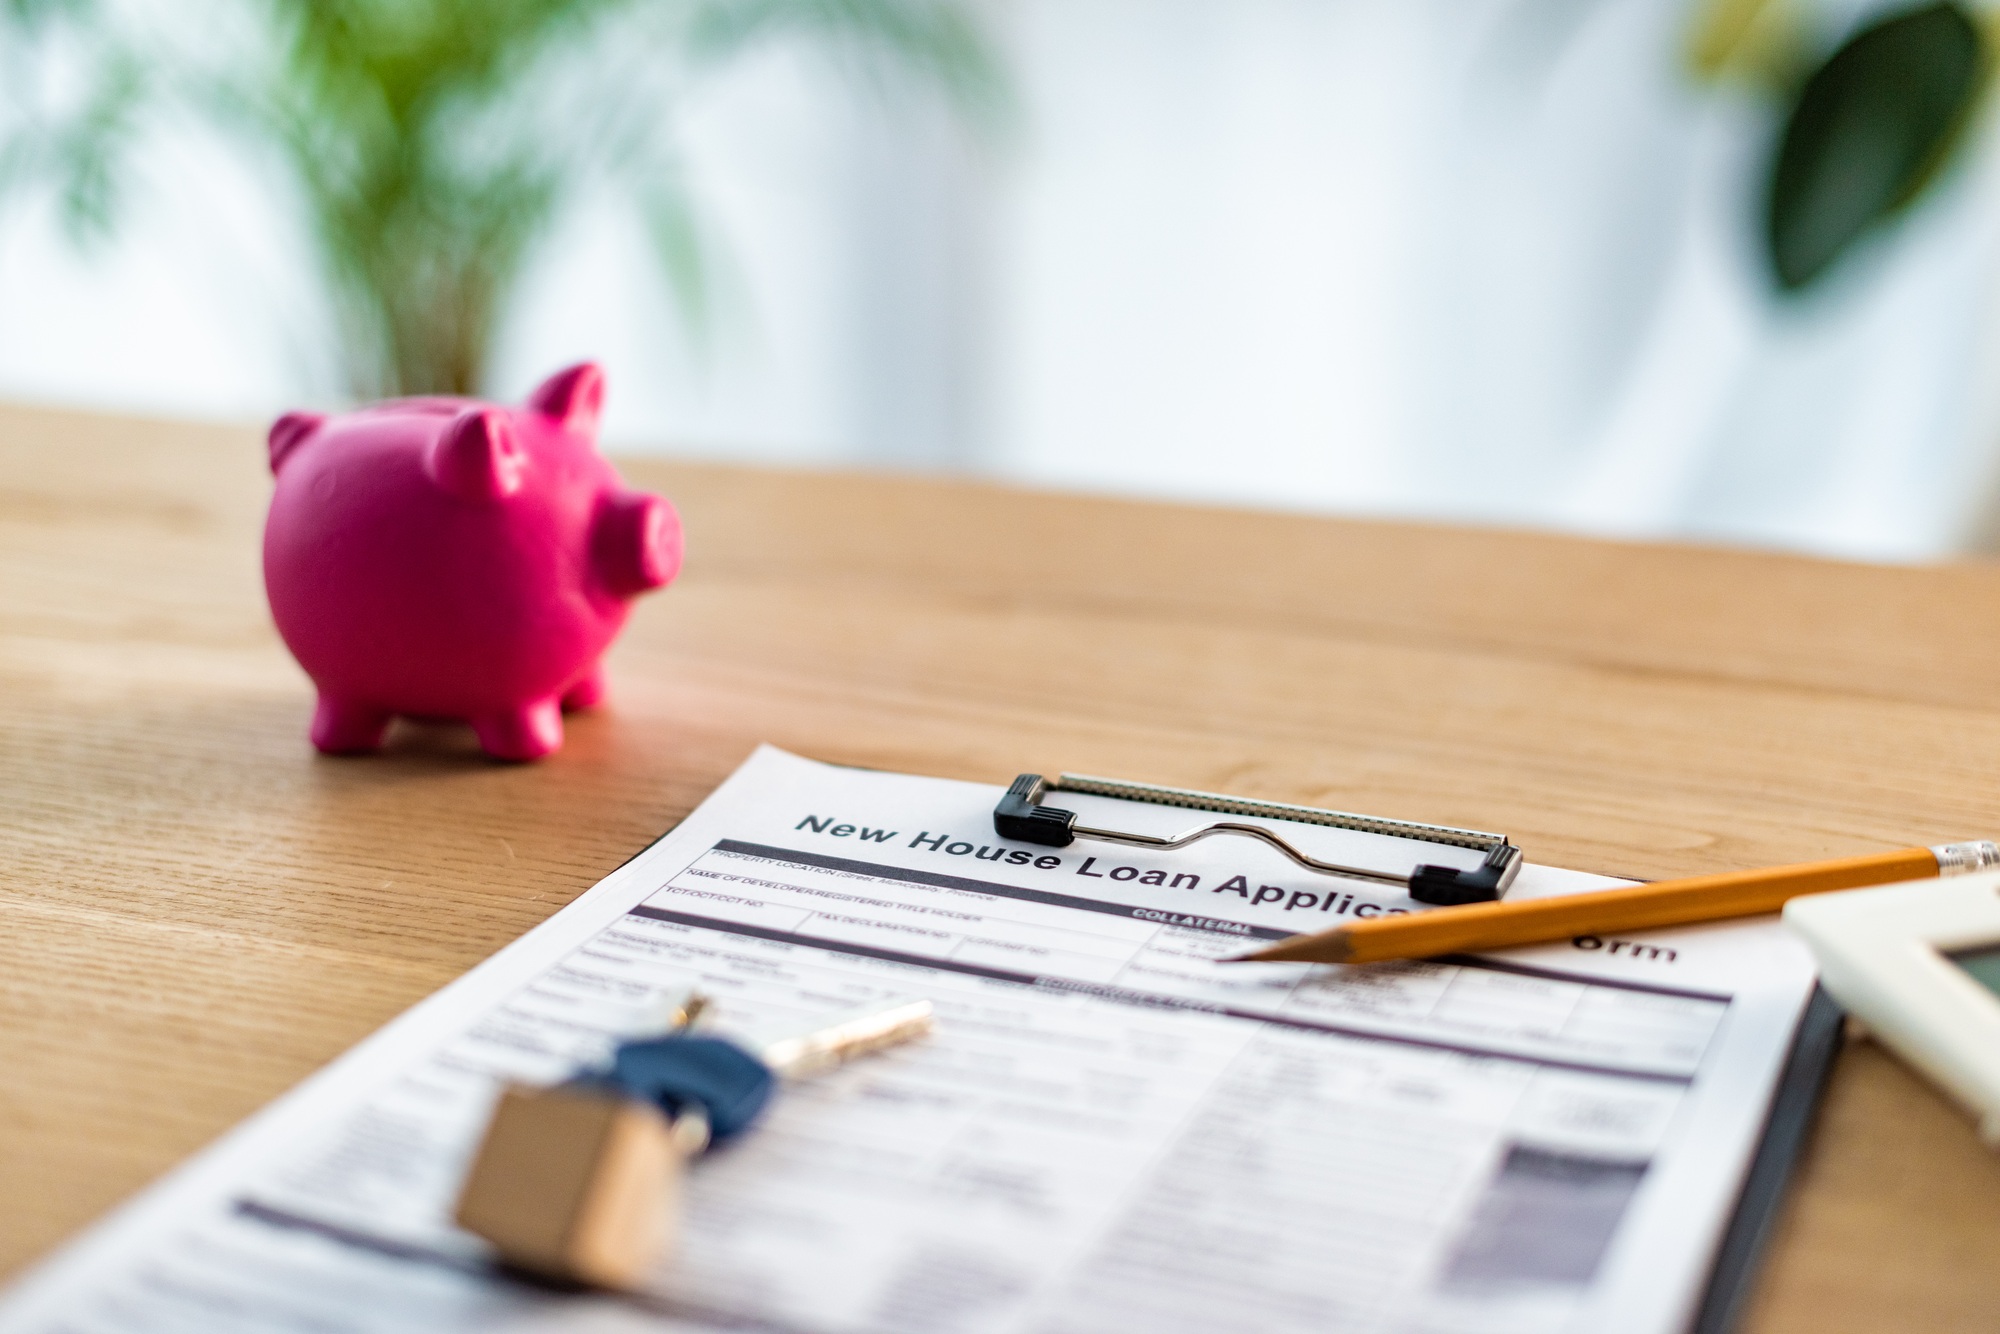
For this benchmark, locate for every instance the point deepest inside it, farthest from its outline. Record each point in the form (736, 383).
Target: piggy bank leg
(587, 693)
(526, 733)
(342, 727)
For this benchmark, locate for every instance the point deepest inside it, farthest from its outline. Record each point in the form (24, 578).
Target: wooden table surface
(199, 911)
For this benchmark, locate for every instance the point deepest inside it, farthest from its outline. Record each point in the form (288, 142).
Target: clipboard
(1023, 815)
(255, 1197)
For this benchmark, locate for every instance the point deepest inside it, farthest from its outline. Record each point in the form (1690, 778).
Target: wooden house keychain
(580, 1183)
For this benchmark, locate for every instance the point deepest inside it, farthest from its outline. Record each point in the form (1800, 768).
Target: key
(580, 1183)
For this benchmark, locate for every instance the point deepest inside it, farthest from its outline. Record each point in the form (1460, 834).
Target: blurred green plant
(431, 143)
(1870, 126)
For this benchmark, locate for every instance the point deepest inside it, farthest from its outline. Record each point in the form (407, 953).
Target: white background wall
(1471, 259)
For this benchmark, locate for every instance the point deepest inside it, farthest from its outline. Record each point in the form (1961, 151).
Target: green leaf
(1869, 131)
(681, 249)
(76, 150)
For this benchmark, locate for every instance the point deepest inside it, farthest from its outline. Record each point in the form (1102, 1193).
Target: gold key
(580, 1183)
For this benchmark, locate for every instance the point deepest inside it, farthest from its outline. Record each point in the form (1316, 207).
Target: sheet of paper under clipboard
(1107, 1132)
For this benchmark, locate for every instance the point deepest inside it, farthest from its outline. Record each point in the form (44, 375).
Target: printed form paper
(1108, 1131)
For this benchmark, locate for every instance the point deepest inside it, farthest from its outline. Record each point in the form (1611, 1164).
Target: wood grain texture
(199, 911)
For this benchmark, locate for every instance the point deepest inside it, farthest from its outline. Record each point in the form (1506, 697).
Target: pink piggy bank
(446, 559)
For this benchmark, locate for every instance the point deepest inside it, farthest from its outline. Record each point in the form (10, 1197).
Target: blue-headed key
(580, 1182)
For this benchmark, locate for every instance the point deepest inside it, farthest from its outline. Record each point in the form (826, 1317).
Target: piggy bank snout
(636, 543)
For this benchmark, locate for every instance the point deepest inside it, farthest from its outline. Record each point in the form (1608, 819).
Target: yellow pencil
(1701, 898)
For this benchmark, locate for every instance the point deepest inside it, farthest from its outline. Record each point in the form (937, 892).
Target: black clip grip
(1447, 886)
(1021, 818)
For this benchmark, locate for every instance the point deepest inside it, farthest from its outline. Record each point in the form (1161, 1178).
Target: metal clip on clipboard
(1022, 817)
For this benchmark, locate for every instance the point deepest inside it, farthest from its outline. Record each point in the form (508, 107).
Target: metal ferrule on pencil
(1964, 858)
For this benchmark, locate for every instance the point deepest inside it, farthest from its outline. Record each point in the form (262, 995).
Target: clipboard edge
(1801, 1085)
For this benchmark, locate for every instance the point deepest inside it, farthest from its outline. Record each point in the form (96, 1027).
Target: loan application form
(1108, 1132)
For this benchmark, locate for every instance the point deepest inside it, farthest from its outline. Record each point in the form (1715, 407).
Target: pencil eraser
(573, 1184)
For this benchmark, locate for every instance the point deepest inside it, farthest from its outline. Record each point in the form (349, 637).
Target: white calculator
(1919, 964)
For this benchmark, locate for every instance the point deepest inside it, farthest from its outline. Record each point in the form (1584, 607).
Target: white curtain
(1493, 261)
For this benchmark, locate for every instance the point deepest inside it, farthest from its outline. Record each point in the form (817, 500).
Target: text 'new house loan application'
(1109, 1131)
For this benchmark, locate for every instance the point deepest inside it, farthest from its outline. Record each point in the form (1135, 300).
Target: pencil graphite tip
(1326, 947)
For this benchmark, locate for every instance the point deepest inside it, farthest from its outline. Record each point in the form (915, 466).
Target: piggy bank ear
(572, 398)
(289, 432)
(477, 457)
